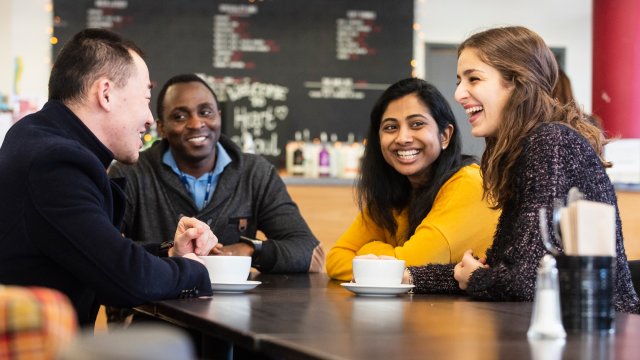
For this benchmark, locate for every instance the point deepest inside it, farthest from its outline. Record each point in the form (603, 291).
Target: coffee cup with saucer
(377, 277)
(229, 273)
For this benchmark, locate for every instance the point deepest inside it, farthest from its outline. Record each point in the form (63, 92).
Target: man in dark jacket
(60, 213)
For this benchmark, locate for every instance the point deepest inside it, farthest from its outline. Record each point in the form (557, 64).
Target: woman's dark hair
(381, 189)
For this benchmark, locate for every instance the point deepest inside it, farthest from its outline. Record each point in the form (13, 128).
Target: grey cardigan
(250, 196)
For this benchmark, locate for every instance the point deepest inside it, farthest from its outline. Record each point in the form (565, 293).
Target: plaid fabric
(35, 322)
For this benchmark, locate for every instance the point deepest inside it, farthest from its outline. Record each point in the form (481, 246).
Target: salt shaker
(546, 319)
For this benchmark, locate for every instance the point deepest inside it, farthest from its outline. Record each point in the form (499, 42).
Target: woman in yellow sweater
(420, 198)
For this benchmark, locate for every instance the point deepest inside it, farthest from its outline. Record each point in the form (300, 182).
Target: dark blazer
(59, 220)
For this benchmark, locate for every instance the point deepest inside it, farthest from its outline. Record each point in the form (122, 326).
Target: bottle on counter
(324, 157)
(351, 154)
(293, 149)
(297, 168)
(310, 154)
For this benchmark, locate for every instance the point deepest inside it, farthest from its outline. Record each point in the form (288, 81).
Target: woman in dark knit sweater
(536, 150)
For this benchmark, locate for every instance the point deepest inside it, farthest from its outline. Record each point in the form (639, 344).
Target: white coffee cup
(378, 272)
(227, 269)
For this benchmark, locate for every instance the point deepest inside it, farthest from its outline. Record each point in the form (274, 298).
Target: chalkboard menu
(277, 66)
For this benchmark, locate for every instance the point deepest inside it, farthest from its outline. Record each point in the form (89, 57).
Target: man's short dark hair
(91, 54)
(179, 79)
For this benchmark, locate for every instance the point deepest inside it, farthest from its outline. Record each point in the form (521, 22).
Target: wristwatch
(163, 249)
(254, 243)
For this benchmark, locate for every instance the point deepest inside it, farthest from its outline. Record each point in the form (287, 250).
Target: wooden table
(310, 317)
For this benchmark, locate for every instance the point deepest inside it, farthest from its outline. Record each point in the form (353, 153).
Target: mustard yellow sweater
(459, 220)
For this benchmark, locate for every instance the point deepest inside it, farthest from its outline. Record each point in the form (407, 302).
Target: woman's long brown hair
(528, 65)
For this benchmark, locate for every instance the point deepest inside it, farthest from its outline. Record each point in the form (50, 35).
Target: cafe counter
(329, 207)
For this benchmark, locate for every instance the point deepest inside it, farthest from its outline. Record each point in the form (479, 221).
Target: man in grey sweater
(197, 171)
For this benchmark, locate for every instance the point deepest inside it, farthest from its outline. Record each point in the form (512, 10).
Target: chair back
(35, 322)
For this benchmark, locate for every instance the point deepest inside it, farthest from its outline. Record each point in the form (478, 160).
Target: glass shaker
(546, 318)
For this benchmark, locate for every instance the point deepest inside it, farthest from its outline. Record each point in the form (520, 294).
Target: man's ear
(105, 87)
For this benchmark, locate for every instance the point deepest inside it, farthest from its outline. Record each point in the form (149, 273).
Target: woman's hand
(462, 271)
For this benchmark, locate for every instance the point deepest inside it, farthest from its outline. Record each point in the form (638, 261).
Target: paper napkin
(589, 228)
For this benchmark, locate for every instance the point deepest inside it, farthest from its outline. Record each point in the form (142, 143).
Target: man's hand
(237, 249)
(192, 236)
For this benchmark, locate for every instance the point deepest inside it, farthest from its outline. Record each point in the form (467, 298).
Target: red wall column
(616, 66)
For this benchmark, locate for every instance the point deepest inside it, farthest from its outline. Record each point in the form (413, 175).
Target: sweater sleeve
(462, 220)
(290, 244)
(362, 231)
(459, 220)
(542, 174)
(434, 278)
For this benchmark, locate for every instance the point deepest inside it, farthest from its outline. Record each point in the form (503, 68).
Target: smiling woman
(537, 149)
(482, 92)
(410, 139)
(416, 188)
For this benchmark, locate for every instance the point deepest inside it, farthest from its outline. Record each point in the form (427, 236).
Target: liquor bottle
(351, 154)
(298, 156)
(310, 155)
(324, 158)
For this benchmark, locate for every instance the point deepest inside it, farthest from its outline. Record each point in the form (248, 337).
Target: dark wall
(278, 66)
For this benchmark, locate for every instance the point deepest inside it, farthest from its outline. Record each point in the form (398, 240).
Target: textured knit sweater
(250, 196)
(554, 159)
(439, 238)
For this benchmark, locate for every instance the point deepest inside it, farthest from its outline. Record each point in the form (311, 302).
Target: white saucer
(235, 288)
(373, 290)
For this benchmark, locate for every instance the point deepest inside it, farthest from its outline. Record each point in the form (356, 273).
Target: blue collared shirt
(198, 187)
